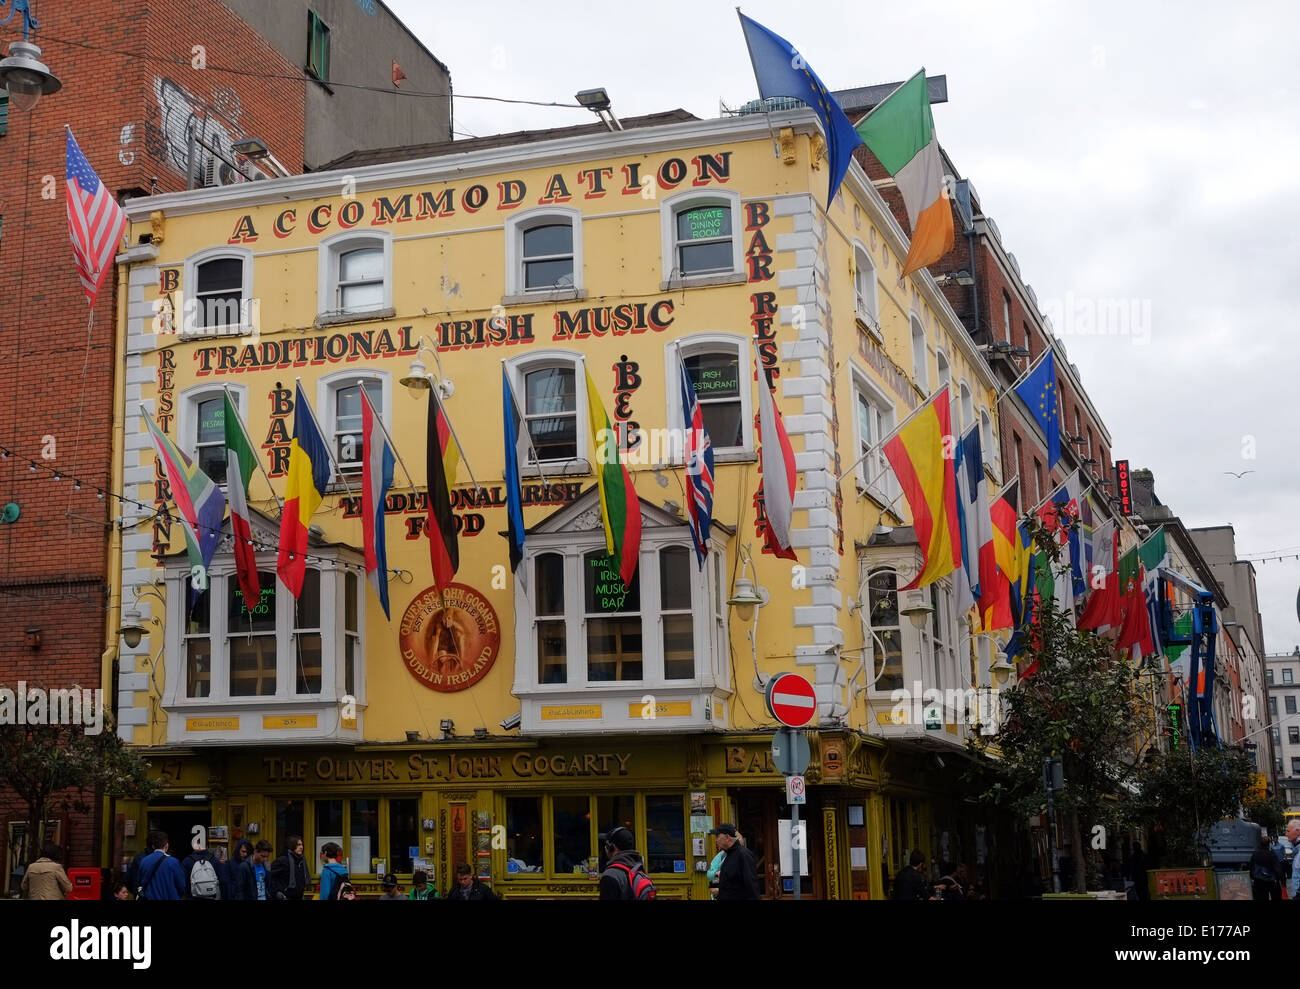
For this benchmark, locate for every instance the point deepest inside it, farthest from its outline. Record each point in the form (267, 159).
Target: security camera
(511, 722)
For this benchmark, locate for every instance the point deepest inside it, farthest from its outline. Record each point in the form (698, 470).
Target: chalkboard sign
(705, 223)
(604, 586)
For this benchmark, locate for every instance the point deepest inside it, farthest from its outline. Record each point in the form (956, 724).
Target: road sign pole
(794, 846)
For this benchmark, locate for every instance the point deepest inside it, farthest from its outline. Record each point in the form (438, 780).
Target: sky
(1138, 159)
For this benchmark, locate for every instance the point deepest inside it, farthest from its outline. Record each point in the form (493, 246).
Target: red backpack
(638, 883)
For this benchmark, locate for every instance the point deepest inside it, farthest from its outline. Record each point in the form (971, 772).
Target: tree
(1268, 812)
(1079, 705)
(1185, 791)
(58, 768)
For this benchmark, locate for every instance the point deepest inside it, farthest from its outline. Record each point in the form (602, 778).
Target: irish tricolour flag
(900, 133)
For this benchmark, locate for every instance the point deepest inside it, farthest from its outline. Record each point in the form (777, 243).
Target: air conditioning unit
(217, 172)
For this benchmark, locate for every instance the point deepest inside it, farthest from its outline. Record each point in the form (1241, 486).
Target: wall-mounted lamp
(447, 727)
(412, 736)
(480, 733)
(132, 630)
(1002, 671)
(418, 379)
(747, 597)
(33, 635)
(916, 606)
(962, 277)
(23, 73)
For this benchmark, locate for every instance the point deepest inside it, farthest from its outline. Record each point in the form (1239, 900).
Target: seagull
(1238, 476)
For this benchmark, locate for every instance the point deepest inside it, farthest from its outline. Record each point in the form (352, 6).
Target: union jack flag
(95, 222)
(698, 459)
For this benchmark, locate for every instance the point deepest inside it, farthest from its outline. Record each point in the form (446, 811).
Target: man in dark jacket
(289, 872)
(738, 877)
(251, 880)
(466, 887)
(622, 861)
(911, 884)
(228, 872)
(160, 875)
(187, 867)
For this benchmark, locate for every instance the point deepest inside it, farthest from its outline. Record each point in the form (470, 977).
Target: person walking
(252, 881)
(467, 887)
(205, 883)
(1292, 842)
(624, 877)
(228, 871)
(333, 871)
(910, 883)
(1265, 873)
(160, 875)
(738, 874)
(289, 872)
(45, 878)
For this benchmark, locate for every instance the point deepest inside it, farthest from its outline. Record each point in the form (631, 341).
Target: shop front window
(665, 830)
(403, 833)
(571, 818)
(329, 827)
(524, 834)
(363, 835)
(289, 820)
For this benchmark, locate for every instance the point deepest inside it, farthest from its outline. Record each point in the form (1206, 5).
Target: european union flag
(782, 71)
(1038, 392)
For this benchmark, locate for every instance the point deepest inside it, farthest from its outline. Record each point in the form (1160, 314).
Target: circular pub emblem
(449, 641)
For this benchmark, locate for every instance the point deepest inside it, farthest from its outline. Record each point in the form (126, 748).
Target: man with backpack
(624, 877)
(201, 880)
(252, 879)
(334, 879)
(160, 876)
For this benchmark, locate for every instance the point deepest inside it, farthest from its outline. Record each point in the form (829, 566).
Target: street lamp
(23, 73)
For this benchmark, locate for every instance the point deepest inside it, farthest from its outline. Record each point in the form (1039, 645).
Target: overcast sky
(1129, 155)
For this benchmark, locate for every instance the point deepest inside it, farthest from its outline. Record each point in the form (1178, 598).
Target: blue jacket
(330, 873)
(1294, 881)
(244, 883)
(165, 880)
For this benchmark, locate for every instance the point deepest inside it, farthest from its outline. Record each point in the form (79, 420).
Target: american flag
(95, 222)
(698, 458)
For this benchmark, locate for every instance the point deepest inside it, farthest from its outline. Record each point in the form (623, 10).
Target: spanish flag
(921, 454)
(309, 475)
(619, 509)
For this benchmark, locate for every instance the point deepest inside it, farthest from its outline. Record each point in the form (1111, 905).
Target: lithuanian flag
(900, 133)
(924, 465)
(619, 509)
(309, 475)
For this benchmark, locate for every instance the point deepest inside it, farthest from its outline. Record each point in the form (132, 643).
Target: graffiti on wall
(178, 115)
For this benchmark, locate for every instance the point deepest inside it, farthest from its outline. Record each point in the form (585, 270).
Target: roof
(413, 152)
(863, 98)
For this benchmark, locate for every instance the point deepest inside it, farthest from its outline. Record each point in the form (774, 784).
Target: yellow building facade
(510, 723)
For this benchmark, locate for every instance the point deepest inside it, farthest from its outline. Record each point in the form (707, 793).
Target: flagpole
(767, 119)
(929, 399)
(249, 440)
(1028, 371)
(523, 414)
(433, 390)
(1057, 488)
(867, 115)
(321, 433)
(1006, 487)
(391, 445)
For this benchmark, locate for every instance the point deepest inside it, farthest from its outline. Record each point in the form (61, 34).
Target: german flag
(443, 458)
(921, 455)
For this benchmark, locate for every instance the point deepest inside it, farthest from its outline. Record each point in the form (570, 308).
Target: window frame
(921, 361)
(1292, 735)
(187, 414)
(329, 255)
(989, 444)
(693, 346)
(326, 391)
(1287, 675)
(518, 368)
(684, 201)
(515, 228)
(188, 327)
(886, 487)
(312, 65)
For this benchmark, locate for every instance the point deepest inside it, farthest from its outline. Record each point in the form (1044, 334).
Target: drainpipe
(108, 660)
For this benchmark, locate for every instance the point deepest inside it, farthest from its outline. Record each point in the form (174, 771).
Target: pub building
(508, 719)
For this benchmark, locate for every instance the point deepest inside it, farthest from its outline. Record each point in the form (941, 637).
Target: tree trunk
(1076, 849)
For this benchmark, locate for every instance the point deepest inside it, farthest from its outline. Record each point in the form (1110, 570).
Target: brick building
(169, 121)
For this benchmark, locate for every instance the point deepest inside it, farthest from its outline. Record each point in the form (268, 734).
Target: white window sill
(577, 467)
(731, 455)
(703, 281)
(205, 332)
(336, 318)
(544, 295)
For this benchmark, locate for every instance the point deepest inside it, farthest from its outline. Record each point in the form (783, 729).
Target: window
(873, 420)
(1020, 459)
(551, 385)
(201, 426)
(403, 833)
(988, 442)
(1272, 706)
(1006, 317)
(1295, 766)
(718, 366)
(571, 826)
(1289, 701)
(864, 284)
(1038, 481)
(4, 113)
(544, 253)
(699, 238)
(198, 644)
(1277, 735)
(665, 831)
(1269, 673)
(218, 293)
(549, 623)
(1293, 735)
(967, 408)
(307, 636)
(366, 828)
(1090, 453)
(253, 639)
(675, 613)
(524, 834)
(944, 369)
(920, 372)
(613, 621)
(318, 47)
(882, 618)
(1286, 674)
(351, 638)
(290, 818)
(338, 408)
(354, 276)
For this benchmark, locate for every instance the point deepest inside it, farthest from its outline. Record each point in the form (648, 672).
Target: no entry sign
(791, 699)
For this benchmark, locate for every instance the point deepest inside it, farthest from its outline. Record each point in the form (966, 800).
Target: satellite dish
(9, 513)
